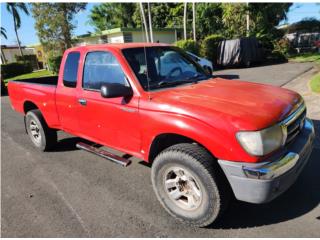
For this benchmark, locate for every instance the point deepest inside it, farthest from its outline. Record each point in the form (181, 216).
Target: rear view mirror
(113, 90)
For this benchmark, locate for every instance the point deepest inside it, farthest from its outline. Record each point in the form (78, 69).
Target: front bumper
(262, 182)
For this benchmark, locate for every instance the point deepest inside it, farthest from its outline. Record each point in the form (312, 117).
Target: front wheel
(189, 184)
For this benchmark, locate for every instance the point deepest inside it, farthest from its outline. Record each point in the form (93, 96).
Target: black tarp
(241, 51)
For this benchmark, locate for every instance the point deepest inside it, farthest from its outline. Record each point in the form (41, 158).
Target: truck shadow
(300, 199)
(226, 76)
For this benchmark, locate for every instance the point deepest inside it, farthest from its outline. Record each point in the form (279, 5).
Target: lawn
(37, 74)
(315, 83)
(306, 57)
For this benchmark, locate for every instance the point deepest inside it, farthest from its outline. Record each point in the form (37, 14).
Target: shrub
(209, 47)
(54, 63)
(188, 45)
(32, 59)
(15, 69)
(282, 46)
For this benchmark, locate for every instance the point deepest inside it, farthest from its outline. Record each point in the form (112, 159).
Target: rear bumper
(262, 182)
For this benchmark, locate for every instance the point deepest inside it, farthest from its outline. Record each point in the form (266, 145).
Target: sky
(28, 35)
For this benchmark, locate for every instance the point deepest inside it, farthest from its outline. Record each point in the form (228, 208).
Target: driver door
(113, 122)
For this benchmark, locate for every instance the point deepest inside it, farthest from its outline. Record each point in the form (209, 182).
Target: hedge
(189, 45)
(209, 47)
(32, 58)
(15, 69)
(54, 63)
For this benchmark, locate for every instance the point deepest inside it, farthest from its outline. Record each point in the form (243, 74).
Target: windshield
(161, 67)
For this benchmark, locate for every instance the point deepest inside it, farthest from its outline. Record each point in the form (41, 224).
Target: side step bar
(103, 153)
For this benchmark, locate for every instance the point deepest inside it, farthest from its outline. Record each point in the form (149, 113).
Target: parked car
(205, 63)
(207, 139)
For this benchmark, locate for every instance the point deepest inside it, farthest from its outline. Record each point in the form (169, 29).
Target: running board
(104, 154)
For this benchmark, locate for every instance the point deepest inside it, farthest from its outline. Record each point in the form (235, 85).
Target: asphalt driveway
(277, 74)
(71, 193)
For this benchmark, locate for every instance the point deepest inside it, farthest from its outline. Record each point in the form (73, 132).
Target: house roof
(121, 30)
(119, 45)
(11, 46)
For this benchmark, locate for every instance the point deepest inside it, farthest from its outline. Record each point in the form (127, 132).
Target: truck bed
(52, 80)
(38, 91)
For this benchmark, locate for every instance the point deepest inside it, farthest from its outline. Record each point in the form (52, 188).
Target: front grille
(294, 123)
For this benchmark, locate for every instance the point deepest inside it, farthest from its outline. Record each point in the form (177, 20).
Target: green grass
(306, 57)
(37, 74)
(315, 83)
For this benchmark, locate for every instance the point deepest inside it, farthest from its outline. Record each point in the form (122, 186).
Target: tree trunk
(144, 21)
(194, 20)
(150, 23)
(16, 31)
(65, 27)
(185, 21)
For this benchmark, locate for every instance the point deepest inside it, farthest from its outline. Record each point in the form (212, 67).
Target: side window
(71, 69)
(101, 67)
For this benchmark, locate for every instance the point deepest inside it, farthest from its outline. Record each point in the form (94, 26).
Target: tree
(4, 32)
(53, 22)
(209, 19)
(112, 15)
(14, 9)
(305, 25)
(234, 19)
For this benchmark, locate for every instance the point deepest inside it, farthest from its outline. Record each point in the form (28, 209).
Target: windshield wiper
(173, 83)
(198, 77)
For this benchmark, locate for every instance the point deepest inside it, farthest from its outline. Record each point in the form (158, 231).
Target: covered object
(241, 51)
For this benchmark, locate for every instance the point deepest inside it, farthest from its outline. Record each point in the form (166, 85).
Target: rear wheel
(40, 134)
(189, 184)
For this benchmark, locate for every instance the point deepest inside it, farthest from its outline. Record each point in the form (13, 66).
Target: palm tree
(4, 32)
(185, 21)
(14, 9)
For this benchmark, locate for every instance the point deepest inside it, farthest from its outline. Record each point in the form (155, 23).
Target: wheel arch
(165, 140)
(28, 106)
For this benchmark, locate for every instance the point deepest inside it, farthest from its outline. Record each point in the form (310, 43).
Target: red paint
(210, 112)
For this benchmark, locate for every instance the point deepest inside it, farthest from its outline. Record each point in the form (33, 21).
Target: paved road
(70, 193)
(278, 74)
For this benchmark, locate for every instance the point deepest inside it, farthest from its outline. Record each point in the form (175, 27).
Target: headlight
(262, 142)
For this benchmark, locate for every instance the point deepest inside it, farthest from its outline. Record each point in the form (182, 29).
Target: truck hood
(248, 106)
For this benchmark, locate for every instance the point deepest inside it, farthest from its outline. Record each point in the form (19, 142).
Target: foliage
(4, 32)
(32, 59)
(282, 46)
(305, 25)
(53, 22)
(14, 9)
(112, 15)
(209, 47)
(234, 19)
(208, 19)
(54, 63)
(37, 74)
(315, 83)
(306, 57)
(188, 45)
(14, 69)
(264, 17)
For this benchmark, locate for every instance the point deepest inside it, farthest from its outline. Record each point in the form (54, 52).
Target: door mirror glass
(113, 90)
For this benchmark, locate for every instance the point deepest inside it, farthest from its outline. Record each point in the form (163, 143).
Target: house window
(127, 37)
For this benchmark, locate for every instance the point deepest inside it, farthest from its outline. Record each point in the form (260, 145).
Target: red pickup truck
(208, 139)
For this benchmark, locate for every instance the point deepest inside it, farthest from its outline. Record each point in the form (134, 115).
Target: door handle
(82, 101)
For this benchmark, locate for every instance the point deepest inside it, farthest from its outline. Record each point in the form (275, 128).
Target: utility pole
(194, 20)
(248, 21)
(144, 21)
(185, 20)
(150, 23)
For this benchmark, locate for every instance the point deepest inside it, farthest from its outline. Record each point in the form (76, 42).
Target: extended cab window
(102, 67)
(71, 69)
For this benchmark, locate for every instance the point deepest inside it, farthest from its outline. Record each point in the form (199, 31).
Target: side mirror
(113, 90)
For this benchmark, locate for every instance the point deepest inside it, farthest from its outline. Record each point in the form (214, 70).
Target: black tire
(209, 70)
(48, 136)
(208, 178)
